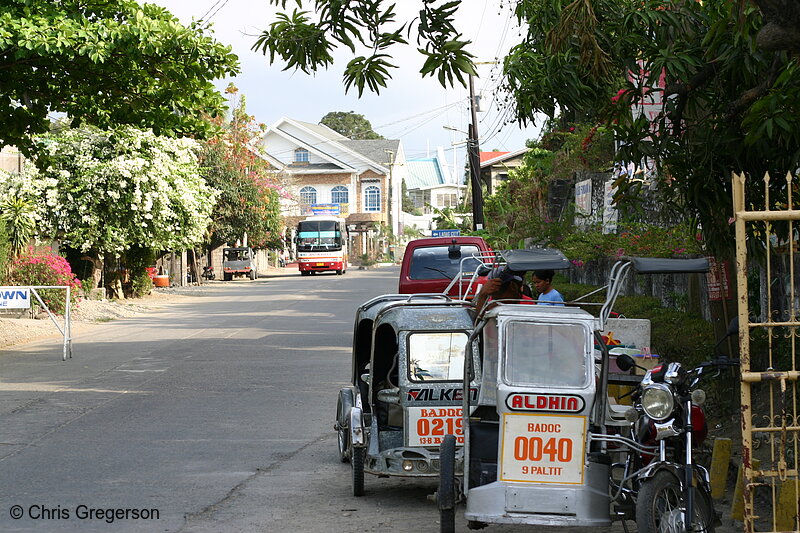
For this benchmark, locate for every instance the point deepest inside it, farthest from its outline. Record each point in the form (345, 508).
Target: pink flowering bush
(45, 268)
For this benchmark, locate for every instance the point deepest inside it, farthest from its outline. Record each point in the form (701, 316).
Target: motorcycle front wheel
(659, 504)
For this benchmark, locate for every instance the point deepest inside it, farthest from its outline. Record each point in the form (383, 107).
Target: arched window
(308, 195)
(339, 195)
(301, 155)
(372, 198)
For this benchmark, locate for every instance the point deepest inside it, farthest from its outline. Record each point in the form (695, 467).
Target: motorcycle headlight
(657, 401)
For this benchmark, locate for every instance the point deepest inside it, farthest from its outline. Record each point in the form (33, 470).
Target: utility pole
(473, 151)
(390, 153)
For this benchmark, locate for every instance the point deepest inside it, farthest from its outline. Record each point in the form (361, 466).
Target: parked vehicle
(670, 417)
(208, 273)
(408, 353)
(440, 264)
(322, 245)
(543, 445)
(239, 261)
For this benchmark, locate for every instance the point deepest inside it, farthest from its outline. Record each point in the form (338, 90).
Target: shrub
(674, 335)
(5, 252)
(45, 268)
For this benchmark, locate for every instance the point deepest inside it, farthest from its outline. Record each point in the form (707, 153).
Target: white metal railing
(18, 297)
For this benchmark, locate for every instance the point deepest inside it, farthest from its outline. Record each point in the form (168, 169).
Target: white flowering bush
(106, 191)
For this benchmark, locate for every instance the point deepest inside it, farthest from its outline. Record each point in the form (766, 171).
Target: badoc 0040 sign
(543, 448)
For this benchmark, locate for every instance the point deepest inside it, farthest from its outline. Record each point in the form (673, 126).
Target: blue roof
(424, 173)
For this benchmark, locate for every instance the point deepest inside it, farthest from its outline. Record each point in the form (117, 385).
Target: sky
(412, 109)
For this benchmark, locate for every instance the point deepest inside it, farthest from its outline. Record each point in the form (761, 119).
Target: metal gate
(768, 322)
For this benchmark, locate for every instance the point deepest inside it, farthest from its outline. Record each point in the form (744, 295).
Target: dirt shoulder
(89, 313)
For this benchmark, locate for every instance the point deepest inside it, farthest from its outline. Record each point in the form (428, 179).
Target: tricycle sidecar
(544, 444)
(408, 360)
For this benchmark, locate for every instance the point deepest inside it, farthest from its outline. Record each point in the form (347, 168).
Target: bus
(321, 245)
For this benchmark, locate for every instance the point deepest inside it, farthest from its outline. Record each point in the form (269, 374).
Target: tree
(350, 124)
(306, 45)
(249, 193)
(105, 62)
(18, 216)
(731, 81)
(105, 192)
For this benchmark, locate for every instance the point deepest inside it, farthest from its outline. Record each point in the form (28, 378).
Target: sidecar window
(545, 354)
(436, 356)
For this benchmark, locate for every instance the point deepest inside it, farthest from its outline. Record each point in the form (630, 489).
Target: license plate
(320, 264)
(543, 448)
(427, 426)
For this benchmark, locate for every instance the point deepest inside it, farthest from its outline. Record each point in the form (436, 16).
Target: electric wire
(203, 18)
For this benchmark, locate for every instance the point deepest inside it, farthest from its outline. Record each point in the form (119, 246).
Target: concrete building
(320, 166)
(496, 165)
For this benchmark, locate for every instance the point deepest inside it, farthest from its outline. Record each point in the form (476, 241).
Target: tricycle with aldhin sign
(544, 444)
(406, 392)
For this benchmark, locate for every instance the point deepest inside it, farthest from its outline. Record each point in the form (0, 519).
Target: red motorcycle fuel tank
(699, 425)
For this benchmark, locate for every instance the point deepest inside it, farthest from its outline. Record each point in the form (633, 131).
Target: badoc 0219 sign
(427, 426)
(15, 298)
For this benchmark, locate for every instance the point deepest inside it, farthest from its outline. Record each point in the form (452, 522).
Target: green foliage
(730, 90)
(408, 204)
(106, 62)
(248, 199)
(45, 268)
(307, 45)
(5, 251)
(447, 218)
(693, 342)
(727, 73)
(136, 260)
(106, 191)
(141, 285)
(19, 217)
(350, 124)
(413, 232)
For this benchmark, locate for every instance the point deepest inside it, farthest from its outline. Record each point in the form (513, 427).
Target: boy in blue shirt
(543, 281)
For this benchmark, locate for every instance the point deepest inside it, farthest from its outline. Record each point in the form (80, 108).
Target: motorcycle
(674, 492)
(208, 273)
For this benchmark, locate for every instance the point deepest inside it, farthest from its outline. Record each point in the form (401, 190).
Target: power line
(217, 11)
(211, 9)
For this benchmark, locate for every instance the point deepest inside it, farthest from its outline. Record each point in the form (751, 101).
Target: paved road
(214, 414)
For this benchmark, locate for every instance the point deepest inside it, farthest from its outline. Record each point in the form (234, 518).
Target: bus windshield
(315, 235)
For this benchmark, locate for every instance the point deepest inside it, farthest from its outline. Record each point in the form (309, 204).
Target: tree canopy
(350, 124)
(105, 62)
(107, 191)
(306, 44)
(249, 191)
(727, 73)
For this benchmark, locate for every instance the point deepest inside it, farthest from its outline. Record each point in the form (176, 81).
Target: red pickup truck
(429, 265)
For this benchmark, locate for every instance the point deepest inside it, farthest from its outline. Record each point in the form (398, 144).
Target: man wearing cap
(501, 284)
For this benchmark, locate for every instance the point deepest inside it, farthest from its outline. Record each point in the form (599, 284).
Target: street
(213, 414)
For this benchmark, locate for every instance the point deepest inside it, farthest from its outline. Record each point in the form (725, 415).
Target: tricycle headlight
(657, 401)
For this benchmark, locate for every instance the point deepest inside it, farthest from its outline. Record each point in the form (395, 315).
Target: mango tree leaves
(371, 24)
(105, 62)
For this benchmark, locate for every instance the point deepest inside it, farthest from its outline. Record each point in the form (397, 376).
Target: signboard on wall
(15, 298)
(583, 197)
(325, 209)
(718, 279)
(610, 214)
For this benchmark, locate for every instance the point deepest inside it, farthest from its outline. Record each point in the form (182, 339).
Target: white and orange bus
(321, 245)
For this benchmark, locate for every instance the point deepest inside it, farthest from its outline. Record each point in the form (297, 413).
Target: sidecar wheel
(357, 460)
(446, 496)
(345, 404)
(658, 507)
